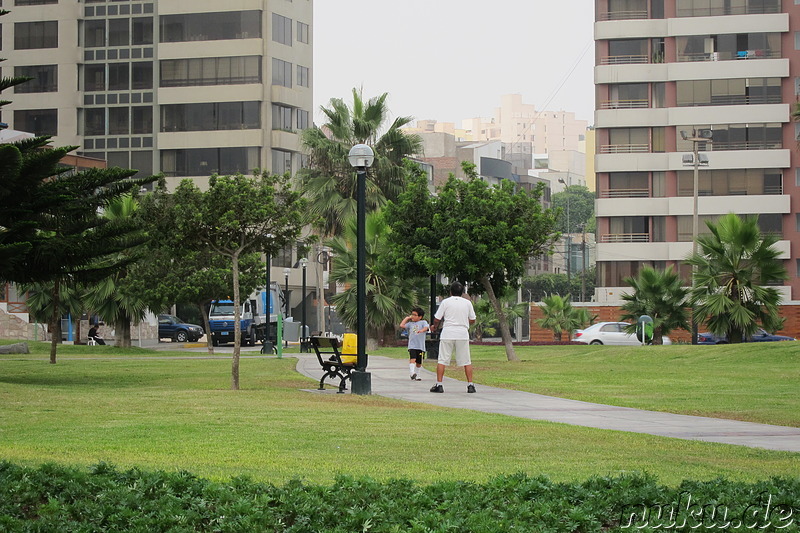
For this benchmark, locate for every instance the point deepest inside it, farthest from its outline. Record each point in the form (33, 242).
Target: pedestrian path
(390, 378)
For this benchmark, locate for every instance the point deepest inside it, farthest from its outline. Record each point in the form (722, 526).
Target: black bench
(329, 357)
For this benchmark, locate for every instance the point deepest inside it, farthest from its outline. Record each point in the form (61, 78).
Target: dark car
(172, 327)
(759, 336)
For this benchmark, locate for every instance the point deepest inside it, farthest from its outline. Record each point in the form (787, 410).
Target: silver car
(612, 333)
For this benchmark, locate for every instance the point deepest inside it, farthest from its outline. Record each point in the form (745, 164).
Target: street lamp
(569, 235)
(267, 346)
(286, 272)
(303, 339)
(361, 157)
(695, 159)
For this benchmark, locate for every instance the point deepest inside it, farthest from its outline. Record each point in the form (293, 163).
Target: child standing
(416, 327)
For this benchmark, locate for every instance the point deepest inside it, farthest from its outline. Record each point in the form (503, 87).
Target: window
(45, 79)
(281, 29)
(281, 117)
(142, 31)
(726, 47)
(94, 33)
(302, 76)
(94, 78)
(211, 116)
(281, 162)
(142, 120)
(207, 161)
(33, 2)
(37, 121)
(210, 71)
(142, 74)
(281, 72)
(302, 32)
(30, 35)
(119, 32)
(733, 182)
(736, 91)
(119, 76)
(143, 162)
(118, 121)
(302, 119)
(710, 8)
(94, 121)
(210, 26)
(628, 51)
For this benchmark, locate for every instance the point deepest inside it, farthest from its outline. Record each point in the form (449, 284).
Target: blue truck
(260, 307)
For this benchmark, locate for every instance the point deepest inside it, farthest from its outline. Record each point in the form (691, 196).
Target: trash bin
(432, 348)
(349, 352)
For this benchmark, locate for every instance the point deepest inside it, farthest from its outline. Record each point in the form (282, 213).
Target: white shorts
(461, 347)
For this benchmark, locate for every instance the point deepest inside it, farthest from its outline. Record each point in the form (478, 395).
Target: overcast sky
(452, 59)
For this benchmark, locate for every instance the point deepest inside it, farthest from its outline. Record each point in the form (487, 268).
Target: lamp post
(361, 157)
(286, 272)
(303, 339)
(569, 235)
(267, 346)
(695, 159)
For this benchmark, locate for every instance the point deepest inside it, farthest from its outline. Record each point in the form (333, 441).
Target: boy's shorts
(461, 347)
(416, 354)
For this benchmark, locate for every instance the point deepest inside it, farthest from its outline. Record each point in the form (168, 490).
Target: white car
(612, 333)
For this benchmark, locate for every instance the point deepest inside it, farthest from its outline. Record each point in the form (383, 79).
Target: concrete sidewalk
(390, 378)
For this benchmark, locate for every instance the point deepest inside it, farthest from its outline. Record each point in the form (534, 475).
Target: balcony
(625, 193)
(728, 56)
(624, 15)
(624, 148)
(626, 60)
(625, 237)
(625, 104)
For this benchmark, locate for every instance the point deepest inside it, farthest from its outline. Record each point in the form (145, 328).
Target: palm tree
(659, 294)
(487, 316)
(329, 183)
(388, 298)
(560, 316)
(735, 267)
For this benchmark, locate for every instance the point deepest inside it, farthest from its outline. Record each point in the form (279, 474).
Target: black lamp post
(267, 346)
(361, 157)
(286, 272)
(303, 339)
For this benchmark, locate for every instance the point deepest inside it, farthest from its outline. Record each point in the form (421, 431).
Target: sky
(452, 59)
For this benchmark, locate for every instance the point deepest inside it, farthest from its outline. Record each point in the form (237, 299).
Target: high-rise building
(187, 88)
(668, 72)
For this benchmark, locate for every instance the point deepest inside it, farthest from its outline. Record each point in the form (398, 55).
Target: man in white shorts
(455, 314)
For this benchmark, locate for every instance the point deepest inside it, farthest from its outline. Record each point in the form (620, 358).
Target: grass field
(130, 408)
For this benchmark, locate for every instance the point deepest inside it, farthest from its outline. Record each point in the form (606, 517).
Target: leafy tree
(238, 215)
(329, 182)
(561, 317)
(660, 294)
(179, 272)
(472, 232)
(735, 268)
(540, 285)
(388, 298)
(581, 209)
(486, 317)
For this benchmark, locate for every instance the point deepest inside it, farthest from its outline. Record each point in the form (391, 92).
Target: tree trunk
(207, 326)
(505, 332)
(237, 325)
(122, 332)
(55, 322)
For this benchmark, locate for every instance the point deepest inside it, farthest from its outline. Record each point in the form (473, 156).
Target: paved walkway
(390, 378)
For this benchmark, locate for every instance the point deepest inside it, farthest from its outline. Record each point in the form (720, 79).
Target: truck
(260, 307)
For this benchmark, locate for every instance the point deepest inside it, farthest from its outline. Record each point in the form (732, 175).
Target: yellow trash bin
(350, 348)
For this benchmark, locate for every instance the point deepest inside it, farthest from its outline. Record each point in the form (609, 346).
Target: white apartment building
(187, 88)
(727, 68)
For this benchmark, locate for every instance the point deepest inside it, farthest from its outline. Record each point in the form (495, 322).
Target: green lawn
(178, 414)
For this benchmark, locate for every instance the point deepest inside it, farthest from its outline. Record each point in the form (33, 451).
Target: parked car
(172, 327)
(612, 333)
(759, 336)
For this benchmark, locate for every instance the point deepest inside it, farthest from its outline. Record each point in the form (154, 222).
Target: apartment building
(728, 70)
(186, 88)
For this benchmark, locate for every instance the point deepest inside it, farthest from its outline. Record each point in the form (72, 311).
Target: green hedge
(65, 499)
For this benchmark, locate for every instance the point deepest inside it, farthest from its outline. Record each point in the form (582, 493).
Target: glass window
(142, 30)
(143, 162)
(281, 29)
(281, 117)
(94, 121)
(302, 76)
(207, 161)
(33, 2)
(30, 35)
(210, 26)
(37, 121)
(94, 33)
(142, 75)
(119, 32)
(210, 71)
(45, 79)
(94, 78)
(119, 76)
(302, 119)
(211, 116)
(118, 121)
(281, 72)
(142, 122)
(281, 162)
(302, 32)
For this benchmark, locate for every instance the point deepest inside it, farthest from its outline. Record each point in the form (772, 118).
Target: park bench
(330, 359)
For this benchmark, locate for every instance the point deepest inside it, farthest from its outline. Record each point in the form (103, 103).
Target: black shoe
(437, 388)
(471, 389)
(413, 377)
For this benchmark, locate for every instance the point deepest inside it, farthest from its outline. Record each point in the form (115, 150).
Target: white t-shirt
(455, 313)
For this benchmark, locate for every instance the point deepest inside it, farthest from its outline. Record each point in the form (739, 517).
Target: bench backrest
(326, 346)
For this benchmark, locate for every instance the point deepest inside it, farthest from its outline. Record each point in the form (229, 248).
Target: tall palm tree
(388, 298)
(329, 182)
(735, 266)
(561, 317)
(659, 294)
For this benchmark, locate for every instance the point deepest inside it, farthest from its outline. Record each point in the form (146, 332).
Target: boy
(416, 328)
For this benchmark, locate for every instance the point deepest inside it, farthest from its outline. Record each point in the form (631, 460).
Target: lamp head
(303, 262)
(684, 135)
(361, 156)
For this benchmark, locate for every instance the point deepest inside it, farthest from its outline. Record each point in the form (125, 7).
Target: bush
(57, 498)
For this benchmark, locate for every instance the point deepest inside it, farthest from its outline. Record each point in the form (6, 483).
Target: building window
(94, 121)
(281, 29)
(735, 137)
(45, 79)
(142, 120)
(211, 116)
(119, 33)
(142, 31)
(30, 35)
(704, 8)
(119, 76)
(736, 91)
(281, 162)
(142, 75)
(143, 162)
(302, 76)
(302, 119)
(210, 71)
(118, 121)
(208, 161)
(281, 72)
(302, 32)
(210, 26)
(37, 121)
(728, 46)
(733, 182)
(33, 2)
(94, 78)
(94, 33)
(281, 117)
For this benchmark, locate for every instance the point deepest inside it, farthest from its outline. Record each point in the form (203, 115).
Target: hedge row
(54, 498)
